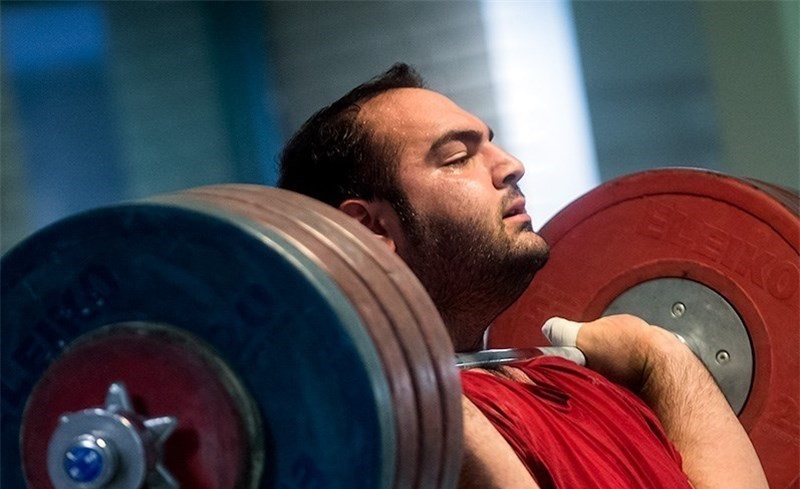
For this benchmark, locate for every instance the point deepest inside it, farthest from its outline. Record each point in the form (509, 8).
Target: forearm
(696, 416)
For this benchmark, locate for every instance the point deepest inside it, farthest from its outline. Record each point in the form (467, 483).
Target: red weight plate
(419, 430)
(789, 198)
(167, 372)
(739, 238)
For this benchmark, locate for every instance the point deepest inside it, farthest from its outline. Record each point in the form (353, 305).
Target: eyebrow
(468, 135)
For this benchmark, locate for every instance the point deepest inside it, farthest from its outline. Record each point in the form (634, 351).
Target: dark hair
(334, 156)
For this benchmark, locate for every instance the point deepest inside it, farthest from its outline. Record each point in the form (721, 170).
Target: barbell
(249, 337)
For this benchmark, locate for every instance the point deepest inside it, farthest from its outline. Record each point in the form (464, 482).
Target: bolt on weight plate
(732, 237)
(110, 447)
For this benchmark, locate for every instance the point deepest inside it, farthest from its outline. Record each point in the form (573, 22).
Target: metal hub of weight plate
(291, 328)
(710, 256)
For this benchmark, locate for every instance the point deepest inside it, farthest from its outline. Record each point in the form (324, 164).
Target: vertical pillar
(752, 59)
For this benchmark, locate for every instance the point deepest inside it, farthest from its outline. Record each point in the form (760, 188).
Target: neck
(466, 330)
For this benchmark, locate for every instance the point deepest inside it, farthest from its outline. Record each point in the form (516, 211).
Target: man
(426, 178)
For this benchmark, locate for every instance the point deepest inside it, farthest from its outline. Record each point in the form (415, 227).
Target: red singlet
(575, 429)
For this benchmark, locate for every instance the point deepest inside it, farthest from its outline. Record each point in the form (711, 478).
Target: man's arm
(676, 385)
(489, 461)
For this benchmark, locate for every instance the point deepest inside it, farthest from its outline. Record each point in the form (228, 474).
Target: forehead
(415, 115)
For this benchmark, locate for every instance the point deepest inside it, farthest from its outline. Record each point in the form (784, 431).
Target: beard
(471, 267)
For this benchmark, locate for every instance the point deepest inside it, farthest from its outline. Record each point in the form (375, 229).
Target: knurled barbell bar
(244, 336)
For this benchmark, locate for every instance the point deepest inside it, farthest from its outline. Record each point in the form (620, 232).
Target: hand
(623, 348)
(658, 366)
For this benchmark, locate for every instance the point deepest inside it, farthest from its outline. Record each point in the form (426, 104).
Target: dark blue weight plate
(280, 323)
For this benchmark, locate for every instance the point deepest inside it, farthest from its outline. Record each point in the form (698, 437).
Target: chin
(529, 239)
(538, 252)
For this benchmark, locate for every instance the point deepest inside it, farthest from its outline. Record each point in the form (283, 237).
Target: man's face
(464, 228)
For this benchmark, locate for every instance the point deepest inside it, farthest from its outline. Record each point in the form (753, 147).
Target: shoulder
(488, 460)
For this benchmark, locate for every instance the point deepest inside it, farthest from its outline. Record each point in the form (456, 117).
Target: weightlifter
(426, 178)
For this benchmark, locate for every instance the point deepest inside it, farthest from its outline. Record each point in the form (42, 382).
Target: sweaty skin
(470, 241)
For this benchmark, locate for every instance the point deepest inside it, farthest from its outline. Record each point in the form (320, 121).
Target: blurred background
(110, 101)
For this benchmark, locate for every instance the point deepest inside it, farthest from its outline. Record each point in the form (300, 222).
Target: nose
(507, 170)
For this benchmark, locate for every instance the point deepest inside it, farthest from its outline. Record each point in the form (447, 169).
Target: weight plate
(377, 306)
(786, 196)
(437, 385)
(235, 284)
(437, 340)
(736, 237)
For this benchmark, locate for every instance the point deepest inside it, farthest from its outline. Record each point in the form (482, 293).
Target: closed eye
(458, 160)
(457, 147)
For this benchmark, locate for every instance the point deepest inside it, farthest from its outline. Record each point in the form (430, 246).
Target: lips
(517, 207)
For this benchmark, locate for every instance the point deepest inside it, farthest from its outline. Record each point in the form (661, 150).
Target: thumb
(561, 332)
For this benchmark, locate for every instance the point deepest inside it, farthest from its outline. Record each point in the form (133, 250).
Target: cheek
(453, 198)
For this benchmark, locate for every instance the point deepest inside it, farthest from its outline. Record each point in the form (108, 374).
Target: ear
(374, 215)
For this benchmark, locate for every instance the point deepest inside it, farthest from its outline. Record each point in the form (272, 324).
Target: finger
(561, 332)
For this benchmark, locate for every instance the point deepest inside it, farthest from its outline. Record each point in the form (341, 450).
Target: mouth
(517, 207)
